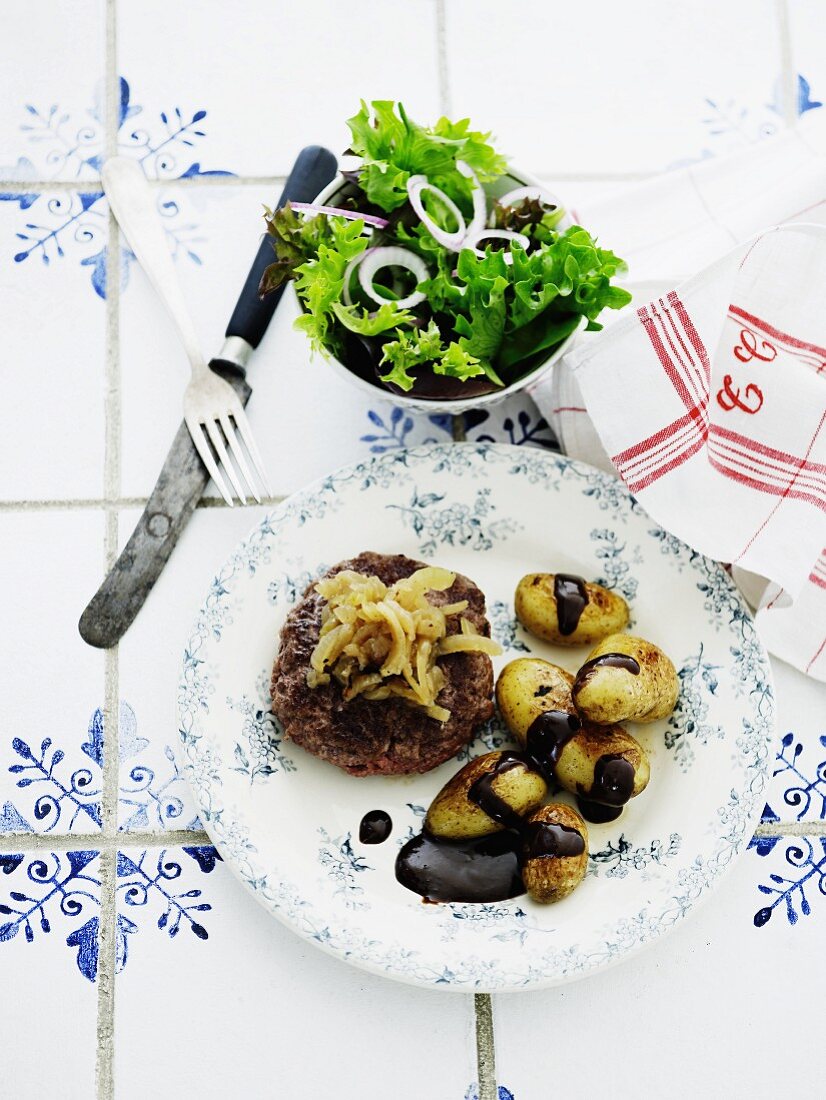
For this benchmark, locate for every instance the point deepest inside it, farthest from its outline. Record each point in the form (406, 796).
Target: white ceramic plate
(288, 824)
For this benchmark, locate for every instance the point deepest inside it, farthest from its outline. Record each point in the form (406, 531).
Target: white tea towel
(709, 398)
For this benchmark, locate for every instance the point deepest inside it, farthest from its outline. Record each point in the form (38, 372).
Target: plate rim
(736, 850)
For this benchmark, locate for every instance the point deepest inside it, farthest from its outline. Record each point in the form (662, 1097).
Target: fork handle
(314, 167)
(133, 204)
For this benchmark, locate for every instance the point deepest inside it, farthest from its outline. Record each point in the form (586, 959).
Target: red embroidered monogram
(747, 349)
(729, 398)
(810, 354)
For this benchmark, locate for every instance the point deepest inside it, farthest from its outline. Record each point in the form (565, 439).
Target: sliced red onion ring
(391, 256)
(348, 274)
(533, 192)
(453, 241)
(352, 215)
(472, 240)
(480, 205)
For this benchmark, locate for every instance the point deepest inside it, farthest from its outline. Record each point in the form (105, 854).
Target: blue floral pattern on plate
(383, 502)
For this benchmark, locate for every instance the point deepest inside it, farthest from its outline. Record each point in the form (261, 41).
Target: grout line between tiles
(112, 505)
(791, 828)
(22, 187)
(485, 1049)
(441, 58)
(109, 841)
(788, 76)
(107, 928)
(459, 434)
(104, 841)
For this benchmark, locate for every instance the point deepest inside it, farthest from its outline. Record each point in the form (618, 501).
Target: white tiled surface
(275, 77)
(57, 345)
(705, 1012)
(591, 100)
(297, 1022)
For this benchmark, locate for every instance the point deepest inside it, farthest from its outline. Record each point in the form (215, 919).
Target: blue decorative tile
(796, 791)
(46, 893)
(53, 227)
(793, 880)
(516, 420)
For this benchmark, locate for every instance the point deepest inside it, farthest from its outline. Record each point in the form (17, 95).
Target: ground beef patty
(382, 736)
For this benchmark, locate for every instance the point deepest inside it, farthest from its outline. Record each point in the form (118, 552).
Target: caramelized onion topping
(380, 642)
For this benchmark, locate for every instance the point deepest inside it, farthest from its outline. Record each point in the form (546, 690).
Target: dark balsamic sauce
(613, 660)
(546, 840)
(375, 827)
(597, 812)
(547, 737)
(481, 792)
(571, 598)
(484, 869)
(613, 780)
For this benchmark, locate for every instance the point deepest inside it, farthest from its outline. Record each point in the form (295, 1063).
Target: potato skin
(529, 686)
(453, 816)
(551, 878)
(608, 695)
(578, 760)
(605, 612)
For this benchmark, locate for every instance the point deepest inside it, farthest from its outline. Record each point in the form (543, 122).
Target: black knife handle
(312, 171)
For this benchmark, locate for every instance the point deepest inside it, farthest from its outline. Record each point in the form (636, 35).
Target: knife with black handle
(183, 477)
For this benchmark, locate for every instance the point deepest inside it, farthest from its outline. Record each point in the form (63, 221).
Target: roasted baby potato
(529, 686)
(609, 688)
(567, 610)
(453, 813)
(554, 853)
(603, 764)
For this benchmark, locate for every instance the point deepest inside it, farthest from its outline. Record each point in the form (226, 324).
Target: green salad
(418, 275)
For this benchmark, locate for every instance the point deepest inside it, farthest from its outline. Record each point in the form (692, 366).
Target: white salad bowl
(512, 179)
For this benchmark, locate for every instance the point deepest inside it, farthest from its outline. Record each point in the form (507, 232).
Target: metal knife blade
(184, 477)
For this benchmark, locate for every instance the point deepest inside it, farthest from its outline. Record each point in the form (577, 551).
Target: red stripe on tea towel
(683, 363)
(692, 333)
(675, 376)
(666, 468)
(817, 654)
(762, 526)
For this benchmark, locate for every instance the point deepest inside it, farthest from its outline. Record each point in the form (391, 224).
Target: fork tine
(223, 457)
(238, 455)
(240, 418)
(202, 447)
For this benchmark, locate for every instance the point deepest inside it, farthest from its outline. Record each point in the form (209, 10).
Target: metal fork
(212, 410)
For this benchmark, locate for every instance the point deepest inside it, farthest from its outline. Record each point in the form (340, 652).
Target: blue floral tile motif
(69, 798)
(61, 891)
(806, 790)
(393, 432)
(75, 223)
(791, 892)
(53, 795)
(531, 428)
(501, 1093)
